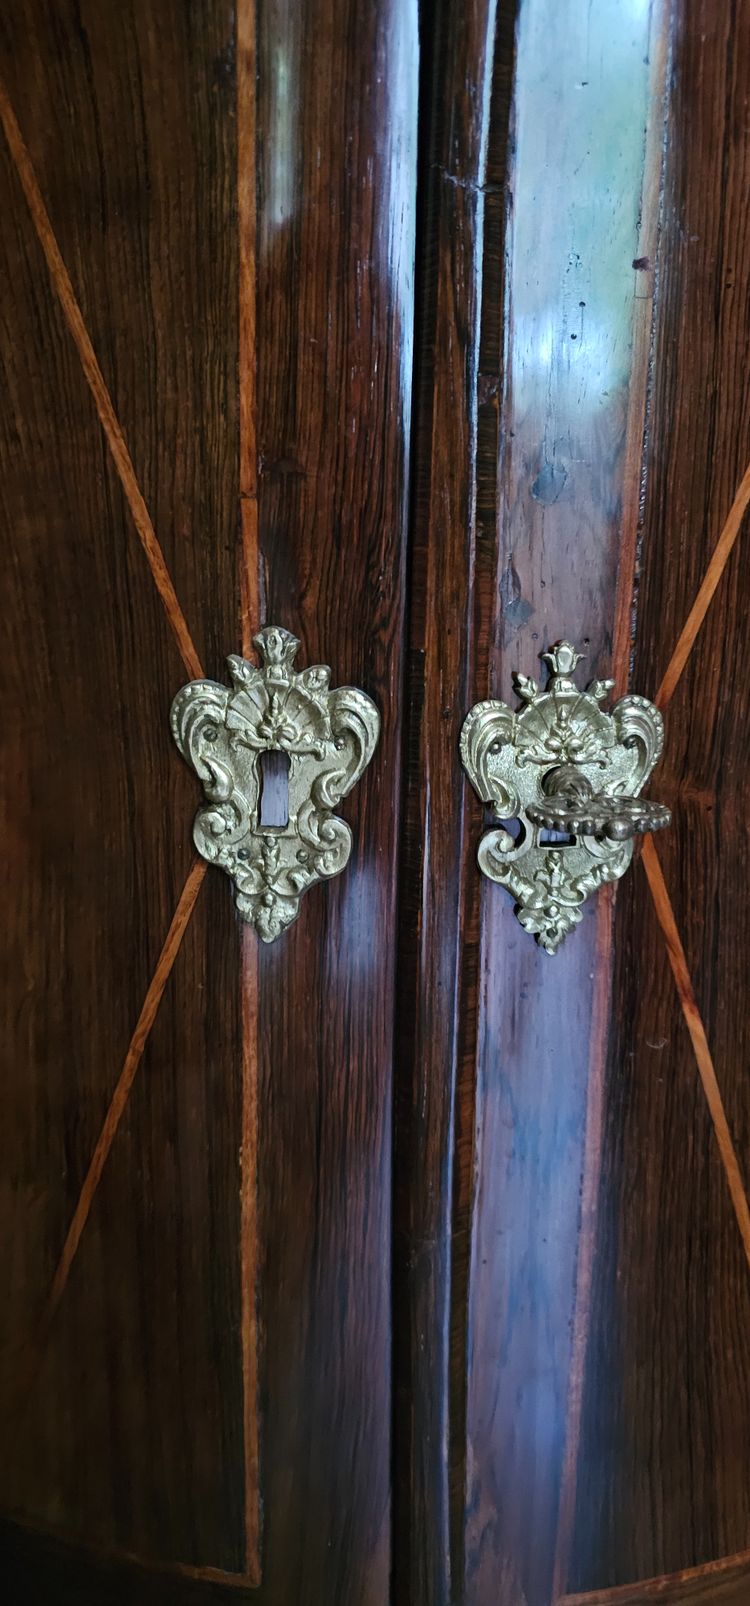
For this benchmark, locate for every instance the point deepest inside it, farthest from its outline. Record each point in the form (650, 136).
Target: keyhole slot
(548, 838)
(273, 811)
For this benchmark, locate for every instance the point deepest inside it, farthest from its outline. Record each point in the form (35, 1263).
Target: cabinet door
(572, 1320)
(393, 1262)
(208, 247)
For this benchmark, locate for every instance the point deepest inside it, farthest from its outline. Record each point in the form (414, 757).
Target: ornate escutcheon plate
(511, 759)
(329, 736)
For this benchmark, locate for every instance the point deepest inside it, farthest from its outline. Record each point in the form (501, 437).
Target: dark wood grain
(436, 995)
(663, 1462)
(549, 1268)
(135, 1441)
(128, 114)
(571, 409)
(533, 345)
(725, 1582)
(133, 1436)
(337, 121)
(39, 1568)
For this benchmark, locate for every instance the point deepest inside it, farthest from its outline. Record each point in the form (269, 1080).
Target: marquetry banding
(668, 1588)
(719, 559)
(665, 915)
(657, 885)
(112, 1119)
(63, 288)
(247, 220)
(706, 1071)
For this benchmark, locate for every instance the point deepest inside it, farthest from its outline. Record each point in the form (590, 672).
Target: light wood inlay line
(112, 1555)
(114, 1116)
(714, 572)
(249, 587)
(662, 1587)
(706, 1071)
(247, 218)
(63, 288)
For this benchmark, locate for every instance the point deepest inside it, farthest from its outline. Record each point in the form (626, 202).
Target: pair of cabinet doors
(395, 1263)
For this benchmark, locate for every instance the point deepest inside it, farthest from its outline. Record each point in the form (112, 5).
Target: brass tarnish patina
(330, 737)
(568, 774)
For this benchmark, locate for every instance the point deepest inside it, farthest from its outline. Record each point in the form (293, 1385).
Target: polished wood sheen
(535, 350)
(132, 1434)
(571, 411)
(395, 1263)
(337, 122)
(721, 1583)
(208, 278)
(436, 999)
(662, 1473)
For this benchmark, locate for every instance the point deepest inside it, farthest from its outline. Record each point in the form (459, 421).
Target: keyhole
(274, 790)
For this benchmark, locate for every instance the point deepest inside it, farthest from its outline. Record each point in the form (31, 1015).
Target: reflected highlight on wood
(574, 339)
(436, 991)
(666, 1375)
(250, 620)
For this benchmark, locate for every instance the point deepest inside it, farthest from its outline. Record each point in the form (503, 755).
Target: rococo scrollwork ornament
(329, 737)
(564, 777)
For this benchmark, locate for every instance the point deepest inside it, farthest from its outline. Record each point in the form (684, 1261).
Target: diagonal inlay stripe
(673, 1589)
(714, 572)
(706, 1071)
(113, 1118)
(110, 423)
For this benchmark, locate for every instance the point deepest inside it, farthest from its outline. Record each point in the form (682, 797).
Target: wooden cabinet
(394, 1263)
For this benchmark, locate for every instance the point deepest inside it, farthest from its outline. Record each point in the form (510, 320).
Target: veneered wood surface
(571, 409)
(540, 197)
(721, 1583)
(39, 1568)
(337, 110)
(436, 995)
(29, 1560)
(131, 1434)
(128, 114)
(133, 1439)
(662, 1475)
(539, 171)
